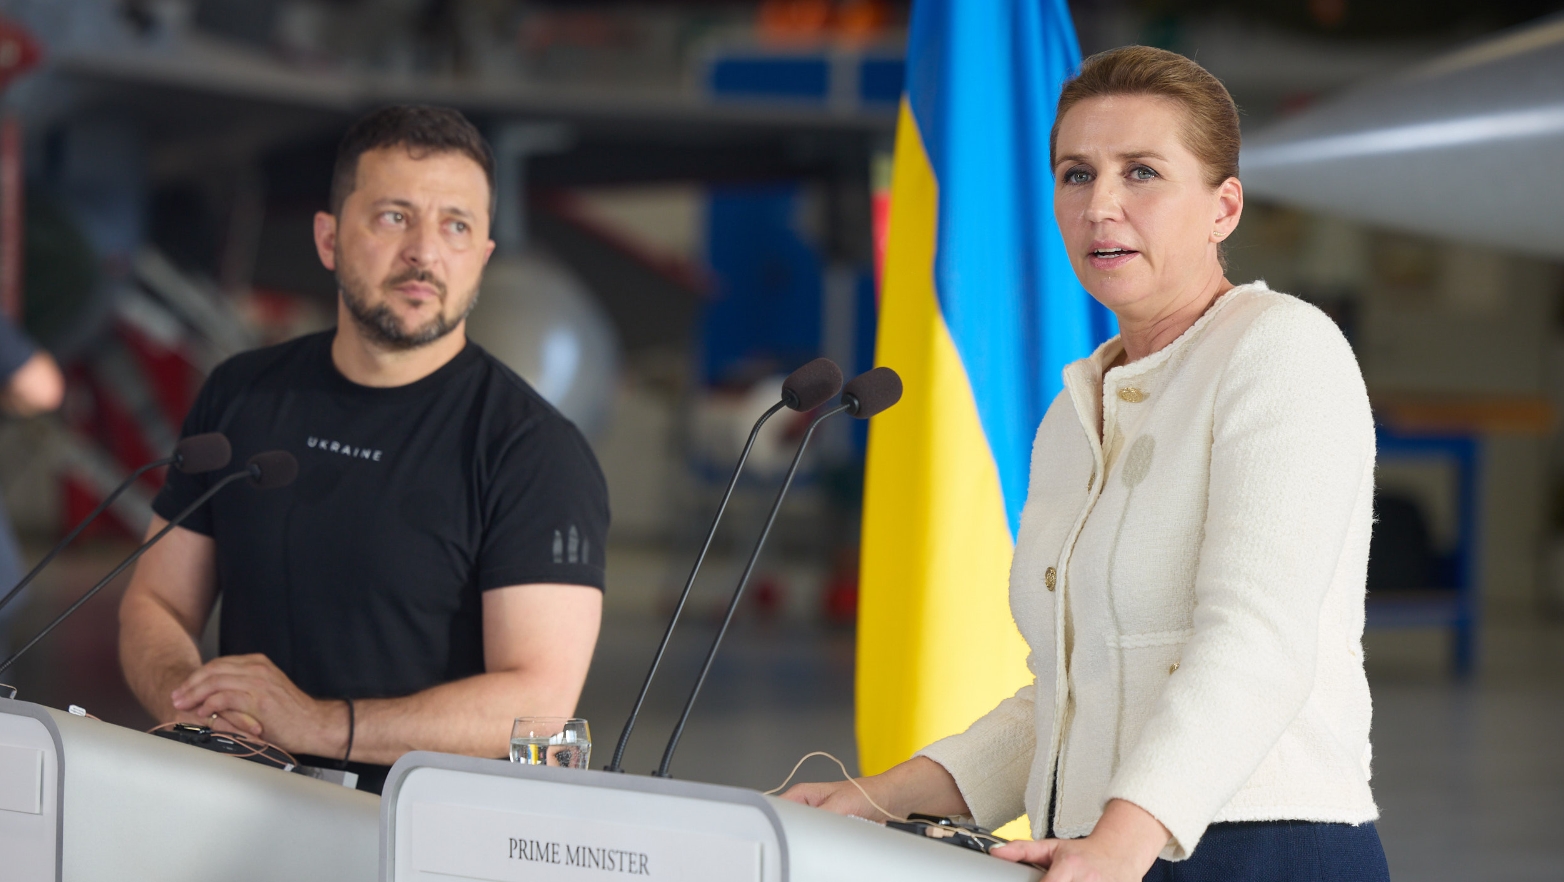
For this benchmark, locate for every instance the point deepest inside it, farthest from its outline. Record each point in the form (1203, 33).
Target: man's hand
(1121, 848)
(259, 699)
(232, 721)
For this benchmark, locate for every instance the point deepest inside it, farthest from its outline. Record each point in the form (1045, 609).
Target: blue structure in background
(765, 313)
(765, 308)
(880, 80)
(797, 77)
(1453, 602)
(869, 81)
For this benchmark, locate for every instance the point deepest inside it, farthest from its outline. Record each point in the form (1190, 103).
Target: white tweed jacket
(1190, 584)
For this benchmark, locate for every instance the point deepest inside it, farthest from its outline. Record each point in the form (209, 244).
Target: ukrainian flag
(980, 312)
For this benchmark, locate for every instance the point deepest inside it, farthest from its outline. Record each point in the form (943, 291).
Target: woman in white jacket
(1189, 571)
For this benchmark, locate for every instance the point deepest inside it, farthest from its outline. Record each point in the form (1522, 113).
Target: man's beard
(381, 325)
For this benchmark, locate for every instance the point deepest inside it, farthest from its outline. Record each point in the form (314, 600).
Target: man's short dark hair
(421, 129)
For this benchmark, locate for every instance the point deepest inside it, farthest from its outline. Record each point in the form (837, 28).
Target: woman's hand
(917, 785)
(840, 797)
(1070, 860)
(1121, 848)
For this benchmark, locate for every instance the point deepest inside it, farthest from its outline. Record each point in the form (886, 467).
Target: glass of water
(551, 741)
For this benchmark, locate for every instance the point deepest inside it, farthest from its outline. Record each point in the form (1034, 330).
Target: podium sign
(450, 817)
(518, 846)
(504, 822)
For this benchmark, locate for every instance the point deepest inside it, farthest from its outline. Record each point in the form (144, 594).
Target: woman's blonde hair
(1210, 117)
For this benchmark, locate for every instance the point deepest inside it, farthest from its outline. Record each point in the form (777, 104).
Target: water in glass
(569, 745)
(546, 751)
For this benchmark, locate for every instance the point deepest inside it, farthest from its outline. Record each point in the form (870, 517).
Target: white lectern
(452, 817)
(84, 801)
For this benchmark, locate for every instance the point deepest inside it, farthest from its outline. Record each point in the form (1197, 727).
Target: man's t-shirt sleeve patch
(547, 513)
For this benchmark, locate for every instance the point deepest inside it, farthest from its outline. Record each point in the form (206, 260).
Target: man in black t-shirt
(436, 569)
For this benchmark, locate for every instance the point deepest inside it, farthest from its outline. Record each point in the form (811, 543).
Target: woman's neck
(1142, 335)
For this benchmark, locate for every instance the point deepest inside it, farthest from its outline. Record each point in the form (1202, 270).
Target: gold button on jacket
(1050, 577)
(1132, 395)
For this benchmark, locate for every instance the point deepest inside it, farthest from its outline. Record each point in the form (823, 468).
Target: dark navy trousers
(1280, 851)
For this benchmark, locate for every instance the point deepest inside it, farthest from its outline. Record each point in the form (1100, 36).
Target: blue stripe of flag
(983, 78)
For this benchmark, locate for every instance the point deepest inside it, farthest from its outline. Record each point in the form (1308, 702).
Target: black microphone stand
(198, 453)
(69, 537)
(248, 472)
(733, 604)
(624, 737)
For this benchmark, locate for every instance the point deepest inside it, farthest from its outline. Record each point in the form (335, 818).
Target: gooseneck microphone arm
(738, 592)
(189, 509)
(868, 394)
(198, 453)
(624, 737)
(259, 470)
(102, 507)
(804, 390)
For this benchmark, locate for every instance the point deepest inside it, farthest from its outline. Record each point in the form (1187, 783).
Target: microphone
(804, 390)
(202, 453)
(868, 394)
(193, 456)
(811, 385)
(872, 392)
(268, 471)
(265, 471)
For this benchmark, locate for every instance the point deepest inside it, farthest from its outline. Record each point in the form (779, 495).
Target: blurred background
(691, 193)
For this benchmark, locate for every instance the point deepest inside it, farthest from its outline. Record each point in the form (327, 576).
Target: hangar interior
(689, 193)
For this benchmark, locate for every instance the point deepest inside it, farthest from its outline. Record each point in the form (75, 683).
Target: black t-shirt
(363, 577)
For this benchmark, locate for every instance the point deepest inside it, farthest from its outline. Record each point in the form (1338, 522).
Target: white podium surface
(83, 801)
(447, 817)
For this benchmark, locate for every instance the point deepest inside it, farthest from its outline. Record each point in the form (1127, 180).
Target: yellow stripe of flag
(936, 644)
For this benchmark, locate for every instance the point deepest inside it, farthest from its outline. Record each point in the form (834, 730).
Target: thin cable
(624, 737)
(252, 746)
(749, 568)
(199, 501)
(845, 774)
(71, 536)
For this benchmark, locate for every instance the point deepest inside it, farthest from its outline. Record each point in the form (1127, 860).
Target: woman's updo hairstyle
(1210, 116)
